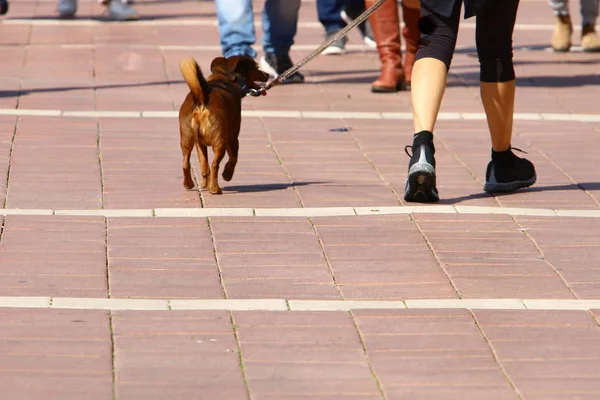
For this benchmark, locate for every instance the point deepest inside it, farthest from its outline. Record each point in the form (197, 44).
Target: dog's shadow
(266, 187)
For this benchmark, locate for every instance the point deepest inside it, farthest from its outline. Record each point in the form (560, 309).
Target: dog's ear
(219, 63)
(241, 64)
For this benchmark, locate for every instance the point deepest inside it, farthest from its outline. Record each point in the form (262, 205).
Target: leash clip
(255, 92)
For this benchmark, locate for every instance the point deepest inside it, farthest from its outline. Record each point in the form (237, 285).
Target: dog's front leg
(232, 153)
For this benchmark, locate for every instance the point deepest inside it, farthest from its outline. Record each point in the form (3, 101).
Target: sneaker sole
(333, 51)
(420, 187)
(508, 187)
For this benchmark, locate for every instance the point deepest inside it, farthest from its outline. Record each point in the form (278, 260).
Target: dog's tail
(195, 80)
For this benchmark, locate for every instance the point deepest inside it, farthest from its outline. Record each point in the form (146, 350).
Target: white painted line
(231, 304)
(306, 114)
(578, 213)
(342, 305)
(25, 302)
(204, 212)
(528, 117)
(106, 213)
(25, 211)
(272, 114)
(82, 303)
(404, 116)
(473, 116)
(539, 304)
(102, 114)
(35, 113)
(160, 114)
(304, 212)
(307, 212)
(109, 304)
(474, 304)
(405, 210)
(505, 210)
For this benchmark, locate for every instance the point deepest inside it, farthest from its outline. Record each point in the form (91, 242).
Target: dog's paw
(216, 191)
(188, 185)
(227, 174)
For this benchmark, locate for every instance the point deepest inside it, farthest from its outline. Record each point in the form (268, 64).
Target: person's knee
(496, 69)
(437, 41)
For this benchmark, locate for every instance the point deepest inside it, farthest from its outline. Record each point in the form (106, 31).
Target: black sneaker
(3, 7)
(337, 47)
(507, 172)
(420, 183)
(275, 65)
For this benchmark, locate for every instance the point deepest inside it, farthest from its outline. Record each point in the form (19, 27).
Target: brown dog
(211, 114)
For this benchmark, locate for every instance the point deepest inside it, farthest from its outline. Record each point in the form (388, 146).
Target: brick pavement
(293, 287)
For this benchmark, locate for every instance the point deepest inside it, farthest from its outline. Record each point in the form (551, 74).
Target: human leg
(351, 10)
(385, 23)
(561, 37)
(411, 13)
(330, 16)
(280, 22)
(438, 41)
(236, 27)
(589, 15)
(495, 23)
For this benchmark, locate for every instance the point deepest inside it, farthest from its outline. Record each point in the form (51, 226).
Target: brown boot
(412, 35)
(561, 38)
(385, 24)
(589, 38)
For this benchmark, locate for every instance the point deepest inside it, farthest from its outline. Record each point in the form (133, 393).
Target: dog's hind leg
(232, 153)
(214, 170)
(203, 157)
(187, 145)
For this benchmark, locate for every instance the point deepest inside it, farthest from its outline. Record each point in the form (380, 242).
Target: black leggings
(493, 36)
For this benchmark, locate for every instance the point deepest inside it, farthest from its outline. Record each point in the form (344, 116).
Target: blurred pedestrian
(334, 15)
(385, 23)
(279, 25)
(561, 38)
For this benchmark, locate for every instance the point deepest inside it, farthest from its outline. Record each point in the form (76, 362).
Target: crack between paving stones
(327, 260)
(310, 220)
(594, 317)
(373, 165)
(166, 71)
(17, 120)
(280, 161)
(495, 355)
(216, 256)
(541, 254)
(10, 158)
(573, 181)
(414, 222)
(433, 253)
(113, 355)
(238, 343)
(367, 358)
(107, 264)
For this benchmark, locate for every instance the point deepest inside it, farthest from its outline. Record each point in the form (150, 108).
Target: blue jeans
(589, 10)
(236, 26)
(329, 12)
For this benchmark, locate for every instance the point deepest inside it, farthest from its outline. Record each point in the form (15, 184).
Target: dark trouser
(493, 35)
(329, 12)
